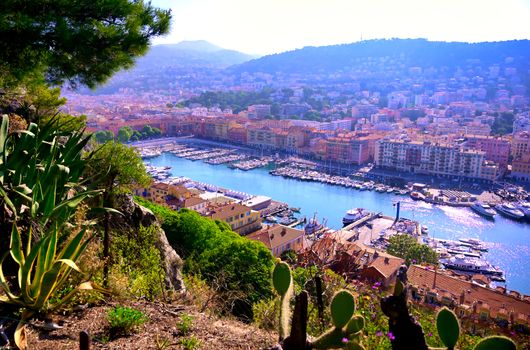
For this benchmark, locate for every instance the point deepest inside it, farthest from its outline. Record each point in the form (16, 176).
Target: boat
(287, 220)
(295, 209)
(313, 226)
(416, 195)
(484, 210)
(471, 264)
(424, 230)
(509, 210)
(525, 208)
(271, 218)
(353, 215)
(475, 243)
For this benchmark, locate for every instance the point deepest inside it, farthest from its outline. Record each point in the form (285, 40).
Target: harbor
(331, 199)
(509, 201)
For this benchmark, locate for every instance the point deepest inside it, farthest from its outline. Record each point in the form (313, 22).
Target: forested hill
(411, 52)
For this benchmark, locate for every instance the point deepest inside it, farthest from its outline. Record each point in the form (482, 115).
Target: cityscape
(421, 138)
(264, 175)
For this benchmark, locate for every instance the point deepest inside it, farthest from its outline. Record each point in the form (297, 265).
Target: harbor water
(510, 240)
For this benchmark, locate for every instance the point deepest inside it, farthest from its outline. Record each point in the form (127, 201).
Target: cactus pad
(356, 324)
(495, 343)
(281, 277)
(448, 327)
(342, 308)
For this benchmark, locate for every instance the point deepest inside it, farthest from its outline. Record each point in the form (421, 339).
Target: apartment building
(241, 218)
(521, 168)
(237, 134)
(520, 144)
(497, 149)
(258, 111)
(263, 137)
(429, 158)
(349, 149)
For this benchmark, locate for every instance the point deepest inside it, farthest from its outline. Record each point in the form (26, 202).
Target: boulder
(134, 216)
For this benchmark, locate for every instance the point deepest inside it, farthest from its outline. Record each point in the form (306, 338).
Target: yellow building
(241, 218)
(520, 145)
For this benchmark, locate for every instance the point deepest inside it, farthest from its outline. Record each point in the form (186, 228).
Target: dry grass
(160, 332)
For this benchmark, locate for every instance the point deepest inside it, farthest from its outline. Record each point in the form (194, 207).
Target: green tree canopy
(124, 134)
(408, 248)
(82, 41)
(104, 136)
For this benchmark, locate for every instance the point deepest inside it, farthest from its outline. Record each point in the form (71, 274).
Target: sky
(272, 26)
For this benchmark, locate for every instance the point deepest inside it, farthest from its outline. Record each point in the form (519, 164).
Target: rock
(172, 262)
(134, 216)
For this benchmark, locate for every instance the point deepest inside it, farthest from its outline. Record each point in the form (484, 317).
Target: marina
(510, 239)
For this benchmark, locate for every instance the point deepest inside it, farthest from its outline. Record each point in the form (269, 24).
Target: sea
(509, 240)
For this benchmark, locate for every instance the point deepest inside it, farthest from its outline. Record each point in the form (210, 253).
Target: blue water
(511, 240)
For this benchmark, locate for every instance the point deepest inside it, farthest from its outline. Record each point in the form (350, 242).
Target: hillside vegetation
(411, 52)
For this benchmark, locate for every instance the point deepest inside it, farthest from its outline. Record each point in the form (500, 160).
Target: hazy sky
(270, 26)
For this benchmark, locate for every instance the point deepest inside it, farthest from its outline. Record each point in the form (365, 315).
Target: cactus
(347, 329)
(495, 343)
(449, 331)
(408, 334)
(448, 327)
(345, 323)
(283, 283)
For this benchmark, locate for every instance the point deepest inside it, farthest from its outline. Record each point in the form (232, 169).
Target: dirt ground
(159, 332)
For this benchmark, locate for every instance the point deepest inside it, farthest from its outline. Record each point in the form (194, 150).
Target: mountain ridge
(420, 52)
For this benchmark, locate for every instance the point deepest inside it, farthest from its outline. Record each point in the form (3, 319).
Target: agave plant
(40, 173)
(42, 271)
(40, 187)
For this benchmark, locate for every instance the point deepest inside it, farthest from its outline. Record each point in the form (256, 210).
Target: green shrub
(227, 261)
(125, 320)
(190, 343)
(185, 324)
(136, 257)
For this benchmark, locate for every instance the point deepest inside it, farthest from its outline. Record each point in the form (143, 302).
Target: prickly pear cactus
(448, 327)
(347, 326)
(342, 308)
(283, 284)
(495, 343)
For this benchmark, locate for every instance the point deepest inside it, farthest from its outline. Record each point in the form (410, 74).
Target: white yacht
(475, 244)
(353, 215)
(471, 264)
(525, 208)
(484, 210)
(509, 210)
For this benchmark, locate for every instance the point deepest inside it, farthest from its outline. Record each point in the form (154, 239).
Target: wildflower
(344, 340)
(378, 333)
(413, 261)
(390, 336)
(430, 334)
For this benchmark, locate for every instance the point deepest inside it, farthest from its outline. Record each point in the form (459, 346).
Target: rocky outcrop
(134, 216)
